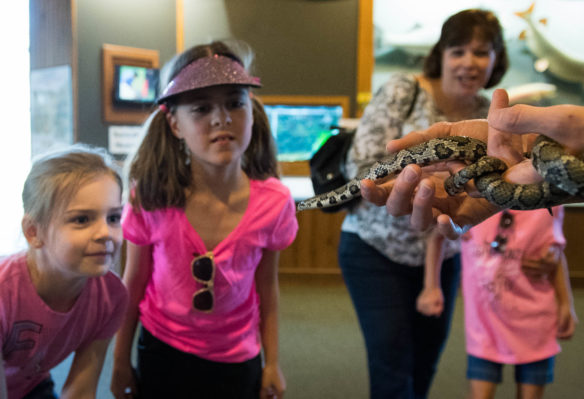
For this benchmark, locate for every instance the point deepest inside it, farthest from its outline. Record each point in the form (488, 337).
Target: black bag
(327, 165)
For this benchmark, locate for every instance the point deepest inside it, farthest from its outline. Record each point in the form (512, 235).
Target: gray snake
(563, 174)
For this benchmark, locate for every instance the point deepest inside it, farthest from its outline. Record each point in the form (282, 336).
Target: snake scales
(563, 174)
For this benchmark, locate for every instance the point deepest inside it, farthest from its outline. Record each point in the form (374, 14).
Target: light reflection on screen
(300, 130)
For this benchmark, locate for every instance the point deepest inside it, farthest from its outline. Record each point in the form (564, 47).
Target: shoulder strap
(414, 98)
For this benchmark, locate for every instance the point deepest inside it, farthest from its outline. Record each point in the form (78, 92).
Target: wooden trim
(364, 55)
(302, 168)
(309, 100)
(308, 270)
(180, 26)
(74, 70)
(116, 55)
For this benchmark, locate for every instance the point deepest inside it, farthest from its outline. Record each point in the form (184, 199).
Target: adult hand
(421, 196)
(563, 123)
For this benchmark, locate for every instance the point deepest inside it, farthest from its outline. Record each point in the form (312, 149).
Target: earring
(186, 150)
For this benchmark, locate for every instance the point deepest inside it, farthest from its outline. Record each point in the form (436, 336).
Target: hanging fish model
(549, 57)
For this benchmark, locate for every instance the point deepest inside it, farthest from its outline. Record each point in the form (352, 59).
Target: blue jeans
(403, 346)
(540, 372)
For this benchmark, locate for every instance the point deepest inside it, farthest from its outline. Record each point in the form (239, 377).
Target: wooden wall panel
(315, 247)
(574, 230)
(51, 34)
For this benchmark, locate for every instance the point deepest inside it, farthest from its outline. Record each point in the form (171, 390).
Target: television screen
(135, 85)
(300, 130)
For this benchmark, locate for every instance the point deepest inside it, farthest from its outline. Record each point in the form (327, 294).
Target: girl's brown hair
(157, 172)
(460, 29)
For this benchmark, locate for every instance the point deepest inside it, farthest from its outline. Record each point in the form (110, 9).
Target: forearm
(85, 370)
(562, 283)
(267, 287)
(125, 336)
(433, 260)
(269, 328)
(136, 276)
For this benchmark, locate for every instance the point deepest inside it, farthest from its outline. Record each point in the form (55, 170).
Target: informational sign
(123, 139)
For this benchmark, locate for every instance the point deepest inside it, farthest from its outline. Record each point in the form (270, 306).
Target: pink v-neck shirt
(230, 333)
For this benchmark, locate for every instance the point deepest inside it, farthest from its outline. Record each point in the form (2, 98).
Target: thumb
(502, 144)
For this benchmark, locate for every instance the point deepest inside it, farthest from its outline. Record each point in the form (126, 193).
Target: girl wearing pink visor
(206, 219)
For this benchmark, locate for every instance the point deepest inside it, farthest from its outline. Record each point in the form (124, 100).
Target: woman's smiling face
(467, 68)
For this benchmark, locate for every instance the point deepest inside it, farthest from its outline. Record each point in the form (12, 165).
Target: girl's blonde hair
(56, 176)
(157, 172)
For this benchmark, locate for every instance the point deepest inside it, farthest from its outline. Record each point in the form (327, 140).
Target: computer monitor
(300, 129)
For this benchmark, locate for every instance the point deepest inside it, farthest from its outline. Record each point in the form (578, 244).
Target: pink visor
(206, 72)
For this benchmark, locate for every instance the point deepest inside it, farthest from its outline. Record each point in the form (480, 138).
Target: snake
(562, 173)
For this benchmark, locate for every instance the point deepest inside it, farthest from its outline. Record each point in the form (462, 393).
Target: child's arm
(567, 318)
(430, 302)
(84, 374)
(266, 278)
(136, 276)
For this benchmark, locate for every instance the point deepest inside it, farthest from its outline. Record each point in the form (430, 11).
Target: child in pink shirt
(60, 296)
(517, 298)
(206, 219)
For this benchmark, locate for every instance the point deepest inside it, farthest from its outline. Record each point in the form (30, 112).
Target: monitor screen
(300, 130)
(135, 85)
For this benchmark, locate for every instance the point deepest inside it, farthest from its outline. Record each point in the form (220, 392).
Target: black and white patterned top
(382, 122)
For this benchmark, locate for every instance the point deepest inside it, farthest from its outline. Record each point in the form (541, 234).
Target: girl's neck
(454, 108)
(57, 291)
(219, 181)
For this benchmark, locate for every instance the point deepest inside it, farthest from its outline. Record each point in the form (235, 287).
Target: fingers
(422, 216)
(449, 229)
(376, 194)
(441, 129)
(562, 123)
(522, 173)
(399, 200)
(501, 143)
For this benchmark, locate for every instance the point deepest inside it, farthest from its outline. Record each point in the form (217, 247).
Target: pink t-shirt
(231, 332)
(509, 318)
(36, 338)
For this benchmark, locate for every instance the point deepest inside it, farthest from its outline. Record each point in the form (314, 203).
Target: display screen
(135, 85)
(300, 130)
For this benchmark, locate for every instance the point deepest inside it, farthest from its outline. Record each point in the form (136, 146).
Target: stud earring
(186, 150)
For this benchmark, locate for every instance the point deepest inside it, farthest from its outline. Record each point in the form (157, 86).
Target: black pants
(166, 372)
(44, 390)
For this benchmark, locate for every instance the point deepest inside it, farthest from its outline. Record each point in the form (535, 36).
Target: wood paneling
(51, 35)
(574, 230)
(315, 247)
(364, 55)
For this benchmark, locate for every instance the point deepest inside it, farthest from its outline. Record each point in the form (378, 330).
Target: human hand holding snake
(464, 210)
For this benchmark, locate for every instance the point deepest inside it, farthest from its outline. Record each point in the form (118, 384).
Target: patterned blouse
(382, 121)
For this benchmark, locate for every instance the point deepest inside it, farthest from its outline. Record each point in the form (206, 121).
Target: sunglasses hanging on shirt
(499, 243)
(203, 269)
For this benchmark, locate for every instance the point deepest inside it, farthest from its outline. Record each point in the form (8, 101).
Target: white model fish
(550, 57)
(530, 93)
